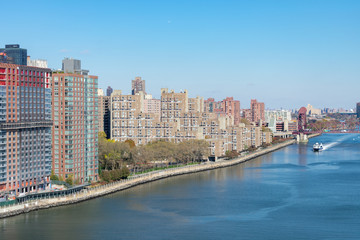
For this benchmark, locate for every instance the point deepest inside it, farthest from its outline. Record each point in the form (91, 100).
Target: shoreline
(100, 191)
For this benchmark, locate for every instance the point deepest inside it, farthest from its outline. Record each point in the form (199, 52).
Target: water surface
(292, 193)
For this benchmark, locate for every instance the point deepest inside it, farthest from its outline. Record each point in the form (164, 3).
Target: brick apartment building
(228, 107)
(25, 128)
(75, 130)
(182, 118)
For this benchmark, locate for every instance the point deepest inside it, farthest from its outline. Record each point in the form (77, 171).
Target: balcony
(22, 125)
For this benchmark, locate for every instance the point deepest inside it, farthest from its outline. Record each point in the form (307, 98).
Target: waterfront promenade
(95, 192)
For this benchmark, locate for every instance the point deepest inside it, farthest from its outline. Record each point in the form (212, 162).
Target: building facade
(257, 111)
(173, 105)
(104, 115)
(310, 110)
(13, 54)
(109, 91)
(70, 65)
(181, 118)
(279, 120)
(152, 105)
(37, 62)
(137, 85)
(228, 107)
(25, 128)
(75, 130)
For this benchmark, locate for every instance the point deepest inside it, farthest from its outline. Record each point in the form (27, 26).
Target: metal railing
(21, 125)
(87, 191)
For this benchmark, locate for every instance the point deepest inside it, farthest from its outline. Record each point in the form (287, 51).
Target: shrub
(125, 172)
(106, 176)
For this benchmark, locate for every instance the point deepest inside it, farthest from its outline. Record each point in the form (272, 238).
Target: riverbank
(128, 183)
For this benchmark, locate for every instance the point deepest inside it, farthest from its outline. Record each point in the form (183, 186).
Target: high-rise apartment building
(13, 54)
(226, 107)
(257, 111)
(25, 128)
(75, 129)
(104, 115)
(212, 106)
(109, 91)
(231, 107)
(137, 85)
(358, 110)
(173, 104)
(182, 118)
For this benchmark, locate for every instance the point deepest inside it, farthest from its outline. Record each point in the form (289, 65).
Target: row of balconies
(143, 127)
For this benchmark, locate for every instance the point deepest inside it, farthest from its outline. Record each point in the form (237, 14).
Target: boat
(317, 147)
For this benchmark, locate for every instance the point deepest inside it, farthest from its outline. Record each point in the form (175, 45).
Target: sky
(284, 53)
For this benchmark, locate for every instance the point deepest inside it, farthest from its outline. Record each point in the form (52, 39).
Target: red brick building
(75, 130)
(226, 107)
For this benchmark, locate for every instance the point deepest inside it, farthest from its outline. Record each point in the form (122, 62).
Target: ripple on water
(284, 166)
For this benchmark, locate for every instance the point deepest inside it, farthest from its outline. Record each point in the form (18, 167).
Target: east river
(292, 193)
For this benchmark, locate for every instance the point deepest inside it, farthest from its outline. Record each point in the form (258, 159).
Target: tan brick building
(181, 118)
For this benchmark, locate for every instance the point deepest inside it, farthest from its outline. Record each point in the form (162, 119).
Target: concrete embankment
(128, 183)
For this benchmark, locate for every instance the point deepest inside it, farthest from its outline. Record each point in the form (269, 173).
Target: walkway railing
(84, 192)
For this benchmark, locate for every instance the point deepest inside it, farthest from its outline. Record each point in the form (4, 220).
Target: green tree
(69, 180)
(53, 176)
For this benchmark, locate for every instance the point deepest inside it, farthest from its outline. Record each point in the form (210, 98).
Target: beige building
(152, 105)
(310, 110)
(130, 121)
(173, 105)
(196, 105)
(137, 85)
(180, 118)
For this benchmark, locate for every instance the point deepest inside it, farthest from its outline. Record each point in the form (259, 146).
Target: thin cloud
(64, 50)
(86, 51)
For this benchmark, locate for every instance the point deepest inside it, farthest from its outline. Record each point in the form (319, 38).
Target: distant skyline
(284, 53)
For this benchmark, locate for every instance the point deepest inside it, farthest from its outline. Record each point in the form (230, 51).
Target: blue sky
(285, 53)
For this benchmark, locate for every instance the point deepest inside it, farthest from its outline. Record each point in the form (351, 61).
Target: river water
(292, 193)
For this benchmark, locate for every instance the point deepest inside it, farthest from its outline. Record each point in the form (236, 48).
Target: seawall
(128, 183)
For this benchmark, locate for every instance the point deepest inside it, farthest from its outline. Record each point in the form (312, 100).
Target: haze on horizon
(284, 53)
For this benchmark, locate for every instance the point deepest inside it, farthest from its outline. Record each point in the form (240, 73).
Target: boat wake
(330, 145)
(333, 144)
